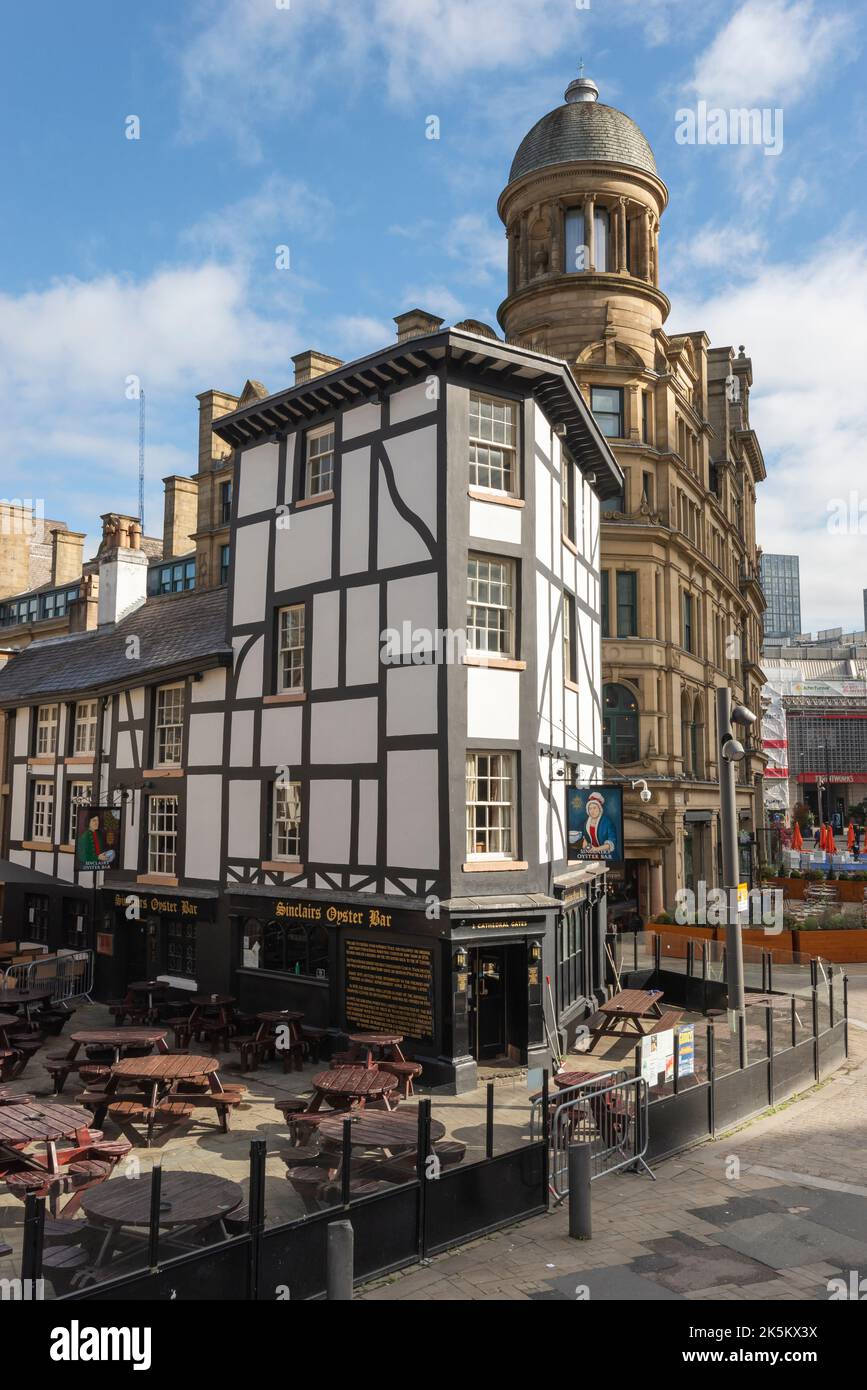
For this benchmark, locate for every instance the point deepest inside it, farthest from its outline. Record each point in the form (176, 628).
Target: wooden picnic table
(43, 1122)
(211, 1013)
(7, 1021)
(149, 988)
(629, 1007)
(25, 1000)
(114, 1038)
(387, 1045)
(564, 1079)
(189, 1202)
(344, 1087)
(268, 1038)
(158, 1077)
(394, 1131)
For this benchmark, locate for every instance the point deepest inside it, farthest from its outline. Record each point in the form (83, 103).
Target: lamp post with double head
(731, 751)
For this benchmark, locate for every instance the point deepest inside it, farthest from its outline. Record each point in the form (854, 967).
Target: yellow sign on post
(743, 898)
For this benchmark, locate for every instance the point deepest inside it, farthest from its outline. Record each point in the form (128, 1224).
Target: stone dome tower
(582, 210)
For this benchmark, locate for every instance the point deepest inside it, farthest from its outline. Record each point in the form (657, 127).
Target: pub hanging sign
(97, 837)
(595, 823)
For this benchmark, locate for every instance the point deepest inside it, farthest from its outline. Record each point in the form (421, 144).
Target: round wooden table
(168, 1066)
(344, 1085)
(387, 1044)
(40, 1121)
(25, 999)
(8, 1021)
(117, 1037)
(565, 1079)
(372, 1129)
(188, 1202)
(150, 988)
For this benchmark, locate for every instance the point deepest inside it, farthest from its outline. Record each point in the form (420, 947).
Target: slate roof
(174, 630)
(583, 130)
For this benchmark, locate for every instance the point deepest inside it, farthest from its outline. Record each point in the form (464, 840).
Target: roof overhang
(153, 675)
(495, 363)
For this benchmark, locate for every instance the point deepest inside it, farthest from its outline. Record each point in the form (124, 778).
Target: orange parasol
(831, 846)
(823, 837)
(797, 837)
(850, 837)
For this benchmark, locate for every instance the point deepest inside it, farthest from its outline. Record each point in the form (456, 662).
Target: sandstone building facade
(682, 602)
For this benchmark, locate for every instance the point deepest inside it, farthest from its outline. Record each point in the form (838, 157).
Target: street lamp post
(731, 752)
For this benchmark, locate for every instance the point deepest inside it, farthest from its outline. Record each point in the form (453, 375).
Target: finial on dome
(582, 88)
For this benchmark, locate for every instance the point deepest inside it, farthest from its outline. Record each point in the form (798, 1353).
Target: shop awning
(19, 873)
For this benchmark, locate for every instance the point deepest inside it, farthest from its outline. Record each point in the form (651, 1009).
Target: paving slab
(782, 1241)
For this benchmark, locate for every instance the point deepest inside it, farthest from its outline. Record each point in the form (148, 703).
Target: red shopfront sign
(835, 778)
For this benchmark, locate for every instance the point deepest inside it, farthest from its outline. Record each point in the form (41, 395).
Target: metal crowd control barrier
(610, 1118)
(69, 975)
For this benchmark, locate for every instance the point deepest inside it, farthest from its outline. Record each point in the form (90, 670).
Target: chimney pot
(311, 364)
(416, 323)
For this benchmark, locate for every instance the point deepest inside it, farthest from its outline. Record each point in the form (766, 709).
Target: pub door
(140, 941)
(498, 1002)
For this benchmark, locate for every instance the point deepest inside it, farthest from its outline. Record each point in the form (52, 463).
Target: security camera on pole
(731, 751)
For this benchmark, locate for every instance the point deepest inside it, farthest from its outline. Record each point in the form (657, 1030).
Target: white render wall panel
(413, 601)
(344, 731)
(412, 401)
(241, 747)
(493, 703)
(258, 481)
(368, 797)
(354, 509)
(22, 733)
(66, 867)
(412, 840)
(132, 825)
(280, 745)
(303, 551)
(211, 687)
(326, 630)
(137, 701)
(204, 808)
(19, 802)
(43, 864)
(206, 740)
(248, 667)
(413, 458)
(362, 635)
(362, 419)
(330, 816)
(398, 542)
(244, 805)
(124, 757)
(411, 700)
(492, 521)
(251, 570)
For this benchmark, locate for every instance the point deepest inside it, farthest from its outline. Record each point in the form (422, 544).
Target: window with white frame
(162, 834)
(286, 824)
(493, 444)
(570, 654)
(319, 476)
(290, 648)
(84, 735)
(490, 605)
(490, 805)
(46, 730)
(42, 823)
(169, 725)
(79, 795)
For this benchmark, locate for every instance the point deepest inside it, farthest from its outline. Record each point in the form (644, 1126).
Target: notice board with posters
(389, 987)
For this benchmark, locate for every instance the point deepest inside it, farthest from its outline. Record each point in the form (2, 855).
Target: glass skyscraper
(781, 582)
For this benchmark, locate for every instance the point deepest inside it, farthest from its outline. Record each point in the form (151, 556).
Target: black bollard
(579, 1191)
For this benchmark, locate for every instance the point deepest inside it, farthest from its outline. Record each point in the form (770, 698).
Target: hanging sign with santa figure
(596, 823)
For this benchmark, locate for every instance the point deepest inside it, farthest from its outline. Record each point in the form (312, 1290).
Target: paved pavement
(773, 1210)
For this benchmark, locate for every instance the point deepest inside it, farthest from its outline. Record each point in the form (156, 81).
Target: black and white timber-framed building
(351, 791)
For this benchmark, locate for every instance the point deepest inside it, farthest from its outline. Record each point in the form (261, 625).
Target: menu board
(389, 988)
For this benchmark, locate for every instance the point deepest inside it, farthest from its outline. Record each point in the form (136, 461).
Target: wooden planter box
(840, 947)
(847, 892)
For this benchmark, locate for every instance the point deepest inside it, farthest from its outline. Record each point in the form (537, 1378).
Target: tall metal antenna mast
(141, 459)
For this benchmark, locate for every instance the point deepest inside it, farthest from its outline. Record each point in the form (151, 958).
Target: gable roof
(175, 632)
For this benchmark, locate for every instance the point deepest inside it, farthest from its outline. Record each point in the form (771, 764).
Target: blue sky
(303, 124)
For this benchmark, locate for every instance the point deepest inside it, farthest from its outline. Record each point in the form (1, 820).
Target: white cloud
(479, 246)
(716, 248)
(263, 221)
(805, 327)
(436, 299)
(770, 51)
(356, 334)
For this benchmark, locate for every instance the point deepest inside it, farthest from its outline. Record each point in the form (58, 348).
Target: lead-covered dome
(583, 129)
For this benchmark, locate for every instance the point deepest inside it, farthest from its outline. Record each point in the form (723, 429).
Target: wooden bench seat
(669, 1019)
(404, 1071)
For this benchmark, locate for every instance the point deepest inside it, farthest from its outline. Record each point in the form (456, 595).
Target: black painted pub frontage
(472, 985)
